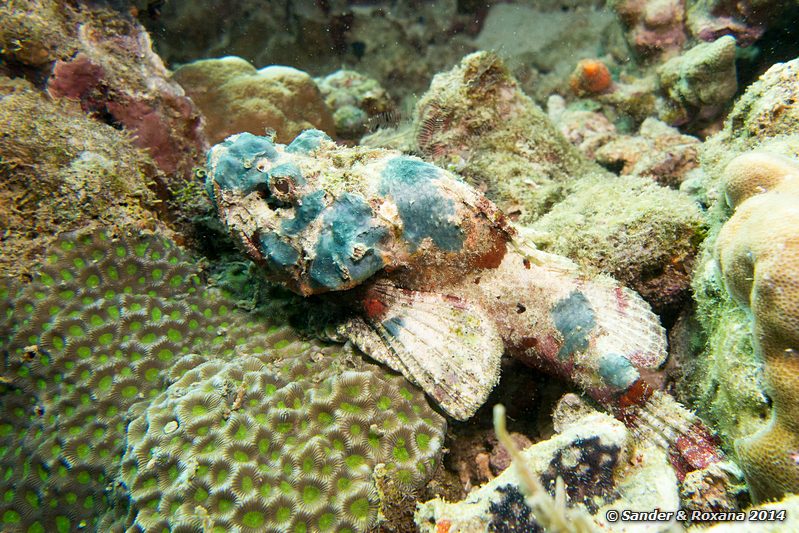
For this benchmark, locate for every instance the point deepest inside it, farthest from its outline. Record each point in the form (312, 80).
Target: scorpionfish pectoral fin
(447, 346)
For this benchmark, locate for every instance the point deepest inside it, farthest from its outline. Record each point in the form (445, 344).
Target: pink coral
(139, 97)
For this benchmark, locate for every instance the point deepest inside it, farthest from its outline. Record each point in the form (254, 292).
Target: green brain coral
(134, 397)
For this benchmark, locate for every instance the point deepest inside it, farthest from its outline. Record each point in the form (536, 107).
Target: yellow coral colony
(758, 252)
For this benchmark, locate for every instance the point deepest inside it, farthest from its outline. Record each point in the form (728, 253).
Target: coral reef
(758, 254)
(700, 82)
(475, 120)
(400, 44)
(89, 49)
(354, 99)
(410, 243)
(234, 97)
(60, 171)
(113, 329)
(720, 371)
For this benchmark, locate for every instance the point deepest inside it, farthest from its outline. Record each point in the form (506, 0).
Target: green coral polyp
(122, 350)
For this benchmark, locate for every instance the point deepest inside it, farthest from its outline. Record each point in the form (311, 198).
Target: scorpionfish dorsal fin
(448, 347)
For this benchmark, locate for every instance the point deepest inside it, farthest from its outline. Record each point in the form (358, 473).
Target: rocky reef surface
(643, 153)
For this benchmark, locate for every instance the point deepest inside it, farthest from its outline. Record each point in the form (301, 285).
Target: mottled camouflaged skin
(323, 218)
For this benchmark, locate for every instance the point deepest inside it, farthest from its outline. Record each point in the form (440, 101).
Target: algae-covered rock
(700, 82)
(235, 97)
(84, 51)
(644, 235)
(61, 170)
(32, 32)
(475, 120)
(659, 152)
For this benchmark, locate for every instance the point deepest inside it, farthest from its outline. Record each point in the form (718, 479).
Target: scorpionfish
(438, 282)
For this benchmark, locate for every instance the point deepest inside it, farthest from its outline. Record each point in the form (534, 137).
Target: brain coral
(758, 253)
(116, 353)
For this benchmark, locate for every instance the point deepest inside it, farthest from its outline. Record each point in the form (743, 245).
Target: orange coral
(591, 76)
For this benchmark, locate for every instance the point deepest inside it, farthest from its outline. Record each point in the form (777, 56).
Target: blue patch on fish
(394, 326)
(574, 318)
(307, 141)
(305, 213)
(345, 251)
(288, 170)
(617, 371)
(277, 253)
(235, 169)
(424, 211)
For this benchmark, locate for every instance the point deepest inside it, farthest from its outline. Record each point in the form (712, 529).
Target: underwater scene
(440, 266)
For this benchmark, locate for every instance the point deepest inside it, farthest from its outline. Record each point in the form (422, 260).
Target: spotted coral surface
(254, 445)
(117, 354)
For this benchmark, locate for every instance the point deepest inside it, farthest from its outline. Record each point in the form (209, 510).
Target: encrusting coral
(758, 254)
(236, 424)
